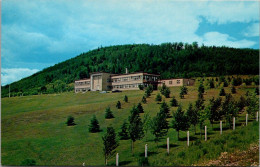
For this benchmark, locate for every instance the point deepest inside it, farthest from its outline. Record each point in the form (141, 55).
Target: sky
(36, 34)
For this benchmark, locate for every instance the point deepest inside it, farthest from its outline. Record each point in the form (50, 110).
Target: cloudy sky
(40, 33)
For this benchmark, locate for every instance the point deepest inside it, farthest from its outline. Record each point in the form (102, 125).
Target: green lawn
(34, 127)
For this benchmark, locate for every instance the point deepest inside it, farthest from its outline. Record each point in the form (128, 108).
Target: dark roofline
(176, 78)
(82, 79)
(135, 73)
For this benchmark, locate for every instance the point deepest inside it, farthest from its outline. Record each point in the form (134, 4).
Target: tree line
(168, 59)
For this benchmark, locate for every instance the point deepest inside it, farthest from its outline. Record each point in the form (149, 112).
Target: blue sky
(40, 33)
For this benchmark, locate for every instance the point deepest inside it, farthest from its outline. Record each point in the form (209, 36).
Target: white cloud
(9, 75)
(219, 39)
(252, 30)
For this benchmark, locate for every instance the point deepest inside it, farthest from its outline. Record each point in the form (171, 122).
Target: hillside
(168, 59)
(33, 127)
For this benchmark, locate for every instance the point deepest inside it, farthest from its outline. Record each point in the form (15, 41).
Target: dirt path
(249, 157)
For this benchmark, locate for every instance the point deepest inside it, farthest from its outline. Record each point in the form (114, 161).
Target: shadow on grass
(165, 145)
(223, 128)
(192, 138)
(124, 163)
(148, 153)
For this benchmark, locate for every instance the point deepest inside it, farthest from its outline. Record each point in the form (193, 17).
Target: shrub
(126, 99)
(28, 162)
(158, 98)
(141, 87)
(140, 108)
(109, 113)
(70, 121)
(94, 125)
(142, 161)
(118, 105)
(174, 102)
(144, 99)
(233, 90)
(222, 92)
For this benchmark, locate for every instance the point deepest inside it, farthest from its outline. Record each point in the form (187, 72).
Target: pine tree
(147, 92)
(135, 127)
(94, 125)
(201, 88)
(164, 108)
(257, 91)
(173, 102)
(158, 98)
(165, 91)
(222, 92)
(140, 108)
(126, 99)
(159, 126)
(184, 90)
(147, 123)
(124, 132)
(181, 95)
(70, 121)
(200, 96)
(233, 90)
(144, 100)
(211, 84)
(180, 121)
(202, 116)
(192, 116)
(118, 105)
(109, 113)
(110, 143)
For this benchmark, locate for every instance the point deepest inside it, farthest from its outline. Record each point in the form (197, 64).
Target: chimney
(126, 71)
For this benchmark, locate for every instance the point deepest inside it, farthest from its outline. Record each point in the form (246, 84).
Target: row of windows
(178, 82)
(83, 83)
(127, 86)
(135, 78)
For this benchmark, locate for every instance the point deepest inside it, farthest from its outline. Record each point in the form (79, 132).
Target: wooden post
(168, 145)
(234, 123)
(188, 138)
(257, 116)
(145, 153)
(117, 159)
(246, 119)
(221, 127)
(205, 133)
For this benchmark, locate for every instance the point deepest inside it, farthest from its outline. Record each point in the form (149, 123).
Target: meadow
(33, 127)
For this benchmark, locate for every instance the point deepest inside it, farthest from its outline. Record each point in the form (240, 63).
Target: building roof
(175, 78)
(135, 73)
(82, 79)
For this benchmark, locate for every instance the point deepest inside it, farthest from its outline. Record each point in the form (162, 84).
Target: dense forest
(168, 59)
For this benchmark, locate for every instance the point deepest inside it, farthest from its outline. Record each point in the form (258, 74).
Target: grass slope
(34, 127)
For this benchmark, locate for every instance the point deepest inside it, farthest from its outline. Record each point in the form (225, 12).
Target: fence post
(188, 138)
(205, 133)
(257, 116)
(117, 159)
(246, 119)
(145, 153)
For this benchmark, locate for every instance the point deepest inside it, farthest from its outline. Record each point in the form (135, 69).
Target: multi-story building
(128, 81)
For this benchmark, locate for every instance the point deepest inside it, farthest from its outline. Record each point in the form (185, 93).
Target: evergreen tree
(174, 102)
(192, 116)
(211, 84)
(253, 104)
(201, 88)
(159, 126)
(141, 87)
(202, 116)
(241, 103)
(180, 121)
(118, 105)
(184, 90)
(124, 132)
(164, 108)
(147, 124)
(165, 91)
(147, 92)
(135, 126)
(212, 111)
(140, 108)
(144, 100)
(109, 113)
(222, 92)
(94, 125)
(70, 121)
(158, 98)
(200, 96)
(181, 95)
(110, 143)
(126, 99)
(233, 90)
(257, 91)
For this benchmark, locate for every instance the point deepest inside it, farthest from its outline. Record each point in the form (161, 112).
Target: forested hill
(168, 59)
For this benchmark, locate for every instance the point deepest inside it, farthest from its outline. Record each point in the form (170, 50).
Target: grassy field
(34, 127)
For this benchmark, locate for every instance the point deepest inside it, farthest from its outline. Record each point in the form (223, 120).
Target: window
(178, 81)
(170, 82)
